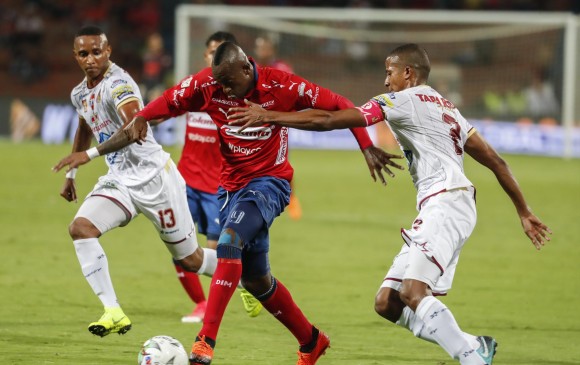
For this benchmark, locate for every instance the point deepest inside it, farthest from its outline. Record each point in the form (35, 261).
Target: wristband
(93, 153)
(72, 173)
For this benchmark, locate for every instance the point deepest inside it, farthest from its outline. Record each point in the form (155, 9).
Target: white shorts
(163, 200)
(432, 245)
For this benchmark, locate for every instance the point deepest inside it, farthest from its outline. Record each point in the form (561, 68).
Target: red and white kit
(431, 133)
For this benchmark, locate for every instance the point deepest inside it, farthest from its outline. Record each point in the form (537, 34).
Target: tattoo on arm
(116, 142)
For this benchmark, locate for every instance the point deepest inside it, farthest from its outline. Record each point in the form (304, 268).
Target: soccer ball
(162, 350)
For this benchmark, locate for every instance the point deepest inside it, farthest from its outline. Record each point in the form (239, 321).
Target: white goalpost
(486, 62)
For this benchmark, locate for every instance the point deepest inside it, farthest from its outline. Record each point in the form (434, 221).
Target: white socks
(410, 321)
(209, 263)
(95, 267)
(440, 325)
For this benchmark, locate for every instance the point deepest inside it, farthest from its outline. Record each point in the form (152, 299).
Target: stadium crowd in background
(31, 31)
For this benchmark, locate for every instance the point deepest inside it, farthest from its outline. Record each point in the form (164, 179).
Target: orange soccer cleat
(201, 352)
(310, 358)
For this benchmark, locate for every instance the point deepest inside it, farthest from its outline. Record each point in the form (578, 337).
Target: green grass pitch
(333, 261)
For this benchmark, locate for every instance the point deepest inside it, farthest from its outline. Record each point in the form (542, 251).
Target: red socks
(191, 283)
(223, 284)
(283, 307)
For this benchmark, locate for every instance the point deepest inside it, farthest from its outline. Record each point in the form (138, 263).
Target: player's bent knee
(192, 262)
(229, 245)
(81, 228)
(413, 292)
(389, 305)
(257, 285)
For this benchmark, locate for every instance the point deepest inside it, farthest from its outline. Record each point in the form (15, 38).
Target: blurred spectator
(26, 43)
(540, 97)
(265, 52)
(156, 67)
(504, 104)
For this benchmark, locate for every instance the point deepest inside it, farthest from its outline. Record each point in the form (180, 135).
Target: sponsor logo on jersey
(92, 102)
(101, 126)
(282, 151)
(176, 95)
(383, 101)
(196, 137)
(226, 102)
(316, 93)
(274, 83)
(301, 88)
(185, 83)
(84, 102)
(254, 133)
(200, 120)
(392, 96)
(223, 112)
(243, 150)
(267, 104)
(118, 82)
(209, 83)
(123, 91)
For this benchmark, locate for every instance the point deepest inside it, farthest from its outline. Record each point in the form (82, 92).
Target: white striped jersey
(431, 133)
(134, 164)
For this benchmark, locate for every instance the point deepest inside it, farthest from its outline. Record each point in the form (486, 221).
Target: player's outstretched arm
(483, 153)
(317, 120)
(312, 119)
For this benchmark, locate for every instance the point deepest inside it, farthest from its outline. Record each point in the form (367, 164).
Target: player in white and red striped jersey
(254, 183)
(434, 136)
(140, 179)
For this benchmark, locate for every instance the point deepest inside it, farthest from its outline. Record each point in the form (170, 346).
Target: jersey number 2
(167, 218)
(454, 132)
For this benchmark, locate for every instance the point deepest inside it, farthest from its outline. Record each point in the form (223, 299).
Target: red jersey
(200, 163)
(258, 151)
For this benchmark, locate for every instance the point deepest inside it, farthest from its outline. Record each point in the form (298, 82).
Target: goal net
(495, 66)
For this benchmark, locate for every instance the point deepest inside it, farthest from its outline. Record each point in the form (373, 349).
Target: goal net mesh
(488, 70)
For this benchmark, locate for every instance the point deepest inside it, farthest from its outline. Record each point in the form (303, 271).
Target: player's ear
(409, 71)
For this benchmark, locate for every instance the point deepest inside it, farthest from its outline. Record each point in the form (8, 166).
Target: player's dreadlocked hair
(413, 55)
(89, 30)
(221, 37)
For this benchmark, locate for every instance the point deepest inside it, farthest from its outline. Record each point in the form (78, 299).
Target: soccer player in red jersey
(254, 183)
(200, 166)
